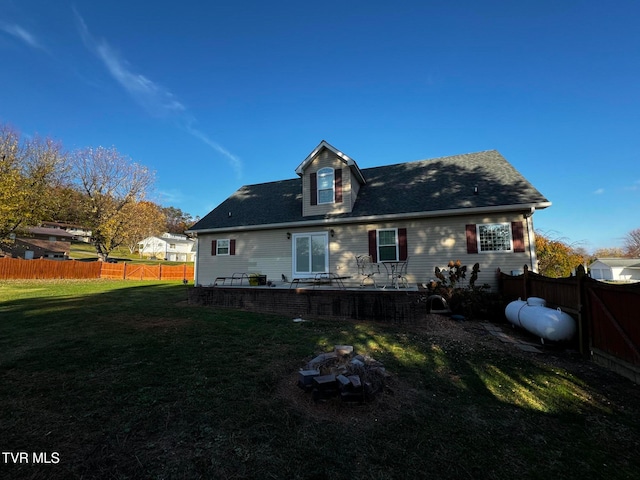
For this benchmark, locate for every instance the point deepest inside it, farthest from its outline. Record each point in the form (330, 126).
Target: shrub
(467, 299)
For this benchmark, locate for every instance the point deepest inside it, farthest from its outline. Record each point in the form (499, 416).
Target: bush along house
(476, 208)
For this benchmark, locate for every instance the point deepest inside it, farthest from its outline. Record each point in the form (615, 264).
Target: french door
(310, 254)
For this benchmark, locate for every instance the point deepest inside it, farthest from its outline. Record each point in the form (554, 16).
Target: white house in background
(78, 232)
(168, 246)
(616, 269)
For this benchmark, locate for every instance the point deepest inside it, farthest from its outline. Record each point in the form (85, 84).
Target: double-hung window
(388, 245)
(222, 247)
(326, 185)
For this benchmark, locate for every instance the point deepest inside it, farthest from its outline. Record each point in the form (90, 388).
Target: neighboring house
(616, 269)
(79, 233)
(168, 246)
(41, 242)
(473, 208)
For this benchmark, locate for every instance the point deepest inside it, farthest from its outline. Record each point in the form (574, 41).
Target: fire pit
(343, 374)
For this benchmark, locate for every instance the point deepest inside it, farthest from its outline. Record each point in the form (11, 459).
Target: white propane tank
(536, 318)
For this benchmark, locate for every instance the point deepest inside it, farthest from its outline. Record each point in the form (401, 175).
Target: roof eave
(528, 208)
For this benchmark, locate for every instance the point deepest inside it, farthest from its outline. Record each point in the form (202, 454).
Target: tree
(145, 219)
(112, 184)
(555, 258)
(177, 220)
(29, 171)
(609, 252)
(632, 243)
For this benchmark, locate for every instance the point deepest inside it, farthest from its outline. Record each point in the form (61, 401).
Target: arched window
(326, 185)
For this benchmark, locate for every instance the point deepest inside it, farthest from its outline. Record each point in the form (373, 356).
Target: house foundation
(391, 306)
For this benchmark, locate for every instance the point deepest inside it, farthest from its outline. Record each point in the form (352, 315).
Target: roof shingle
(427, 186)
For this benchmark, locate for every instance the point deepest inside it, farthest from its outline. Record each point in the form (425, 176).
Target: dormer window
(326, 185)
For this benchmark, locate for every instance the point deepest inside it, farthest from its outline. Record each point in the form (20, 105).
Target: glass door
(310, 254)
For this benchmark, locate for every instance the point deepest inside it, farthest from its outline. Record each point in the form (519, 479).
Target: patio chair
(367, 269)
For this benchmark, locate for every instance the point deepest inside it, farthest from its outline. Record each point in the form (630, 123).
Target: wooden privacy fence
(608, 315)
(136, 271)
(17, 268)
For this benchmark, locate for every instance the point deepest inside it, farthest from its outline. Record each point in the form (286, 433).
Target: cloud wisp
(21, 34)
(158, 101)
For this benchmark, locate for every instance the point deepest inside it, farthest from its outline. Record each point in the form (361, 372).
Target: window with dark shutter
(517, 233)
(402, 244)
(388, 244)
(472, 242)
(313, 188)
(223, 246)
(338, 185)
(373, 246)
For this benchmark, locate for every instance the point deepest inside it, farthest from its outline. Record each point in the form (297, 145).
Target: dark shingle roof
(428, 186)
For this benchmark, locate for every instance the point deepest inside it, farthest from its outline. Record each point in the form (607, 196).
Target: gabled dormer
(330, 181)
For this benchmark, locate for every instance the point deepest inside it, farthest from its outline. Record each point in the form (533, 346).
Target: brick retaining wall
(384, 306)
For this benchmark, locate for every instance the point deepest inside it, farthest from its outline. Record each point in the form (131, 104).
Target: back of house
(476, 208)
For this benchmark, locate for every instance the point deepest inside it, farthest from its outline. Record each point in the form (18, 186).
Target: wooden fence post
(525, 279)
(583, 338)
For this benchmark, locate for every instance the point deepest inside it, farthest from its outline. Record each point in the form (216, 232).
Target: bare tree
(632, 243)
(111, 184)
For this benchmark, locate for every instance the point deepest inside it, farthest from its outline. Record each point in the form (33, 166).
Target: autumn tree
(112, 185)
(177, 220)
(29, 171)
(145, 219)
(556, 258)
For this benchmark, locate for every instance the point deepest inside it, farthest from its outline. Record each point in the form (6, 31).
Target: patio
(317, 299)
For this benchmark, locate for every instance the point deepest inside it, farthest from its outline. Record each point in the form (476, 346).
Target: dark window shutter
(232, 246)
(337, 178)
(472, 242)
(373, 246)
(517, 234)
(402, 244)
(313, 187)
(214, 246)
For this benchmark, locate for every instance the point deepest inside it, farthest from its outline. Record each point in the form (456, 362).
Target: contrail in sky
(157, 100)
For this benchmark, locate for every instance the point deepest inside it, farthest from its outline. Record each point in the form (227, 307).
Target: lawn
(125, 380)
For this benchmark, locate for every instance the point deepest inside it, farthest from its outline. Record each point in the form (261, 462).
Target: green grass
(125, 380)
(86, 251)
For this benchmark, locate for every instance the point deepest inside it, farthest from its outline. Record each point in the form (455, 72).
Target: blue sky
(215, 95)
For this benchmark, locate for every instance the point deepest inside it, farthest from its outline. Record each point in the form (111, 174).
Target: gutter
(528, 208)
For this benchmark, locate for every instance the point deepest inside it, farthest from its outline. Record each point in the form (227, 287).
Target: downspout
(532, 240)
(195, 262)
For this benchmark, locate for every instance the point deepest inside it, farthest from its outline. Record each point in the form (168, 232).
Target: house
(80, 233)
(474, 208)
(168, 246)
(40, 242)
(616, 269)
